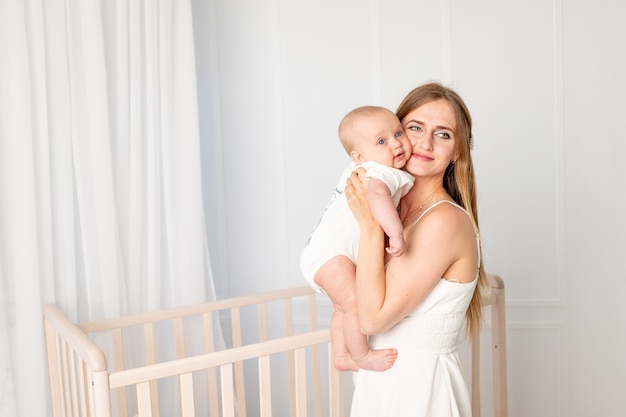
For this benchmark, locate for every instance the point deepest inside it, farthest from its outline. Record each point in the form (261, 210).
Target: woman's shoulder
(441, 241)
(444, 215)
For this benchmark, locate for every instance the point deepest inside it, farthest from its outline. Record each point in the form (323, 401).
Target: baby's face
(382, 140)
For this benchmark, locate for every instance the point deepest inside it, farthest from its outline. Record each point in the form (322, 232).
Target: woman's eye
(444, 135)
(414, 128)
(381, 141)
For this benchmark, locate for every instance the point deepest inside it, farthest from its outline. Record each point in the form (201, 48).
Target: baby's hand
(397, 246)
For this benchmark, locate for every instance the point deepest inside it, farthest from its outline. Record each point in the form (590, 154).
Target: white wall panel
(413, 46)
(594, 112)
(252, 146)
(536, 376)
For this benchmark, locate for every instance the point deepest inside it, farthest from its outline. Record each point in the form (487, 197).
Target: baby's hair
(346, 126)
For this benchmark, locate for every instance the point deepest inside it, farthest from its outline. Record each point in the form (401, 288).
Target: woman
(419, 302)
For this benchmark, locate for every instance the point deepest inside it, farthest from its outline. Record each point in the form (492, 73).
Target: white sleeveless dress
(426, 379)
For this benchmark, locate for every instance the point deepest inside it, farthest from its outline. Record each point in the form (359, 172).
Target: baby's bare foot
(378, 360)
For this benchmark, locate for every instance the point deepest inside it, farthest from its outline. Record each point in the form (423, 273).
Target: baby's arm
(386, 213)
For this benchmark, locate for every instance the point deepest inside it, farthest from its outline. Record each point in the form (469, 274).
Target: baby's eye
(399, 134)
(381, 141)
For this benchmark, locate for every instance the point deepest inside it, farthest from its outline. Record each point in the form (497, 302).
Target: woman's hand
(356, 195)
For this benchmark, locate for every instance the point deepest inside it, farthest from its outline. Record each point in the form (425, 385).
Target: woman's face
(431, 129)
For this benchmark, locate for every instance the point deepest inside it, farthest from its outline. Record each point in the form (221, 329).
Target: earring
(453, 161)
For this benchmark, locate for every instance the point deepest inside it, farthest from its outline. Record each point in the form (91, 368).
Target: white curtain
(101, 207)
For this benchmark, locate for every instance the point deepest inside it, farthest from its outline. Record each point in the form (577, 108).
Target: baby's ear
(356, 156)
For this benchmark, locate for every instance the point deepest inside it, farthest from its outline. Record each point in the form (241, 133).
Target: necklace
(417, 210)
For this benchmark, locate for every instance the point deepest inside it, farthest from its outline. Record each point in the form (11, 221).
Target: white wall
(544, 82)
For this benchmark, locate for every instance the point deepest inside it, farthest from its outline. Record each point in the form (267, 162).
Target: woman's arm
(370, 286)
(386, 296)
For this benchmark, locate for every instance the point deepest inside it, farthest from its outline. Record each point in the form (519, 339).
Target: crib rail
(82, 378)
(84, 382)
(232, 304)
(296, 346)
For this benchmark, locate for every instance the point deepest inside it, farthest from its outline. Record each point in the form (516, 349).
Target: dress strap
(433, 206)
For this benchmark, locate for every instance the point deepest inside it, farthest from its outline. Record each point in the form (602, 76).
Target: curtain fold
(19, 244)
(101, 208)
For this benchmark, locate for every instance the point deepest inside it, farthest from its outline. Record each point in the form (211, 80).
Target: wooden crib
(283, 367)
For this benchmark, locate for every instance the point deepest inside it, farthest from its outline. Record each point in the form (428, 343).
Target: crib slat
(315, 359)
(340, 394)
(52, 340)
(335, 388)
(316, 381)
(288, 317)
(262, 310)
(118, 360)
(179, 335)
(228, 399)
(300, 375)
(82, 388)
(73, 382)
(144, 402)
(67, 403)
(265, 387)
(291, 378)
(312, 302)
(475, 348)
(186, 395)
(209, 341)
(148, 334)
(239, 375)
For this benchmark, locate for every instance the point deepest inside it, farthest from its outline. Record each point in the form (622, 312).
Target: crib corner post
(54, 372)
(498, 322)
(100, 394)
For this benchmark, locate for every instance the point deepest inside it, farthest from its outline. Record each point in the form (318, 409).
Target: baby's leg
(342, 359)
(362, 354)
(338, 277)
(330, 277)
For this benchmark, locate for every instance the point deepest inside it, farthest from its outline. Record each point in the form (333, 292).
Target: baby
(375, 140)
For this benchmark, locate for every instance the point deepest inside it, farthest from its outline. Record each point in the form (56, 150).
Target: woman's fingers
(356, 196)
(361, 174)
(358, 180)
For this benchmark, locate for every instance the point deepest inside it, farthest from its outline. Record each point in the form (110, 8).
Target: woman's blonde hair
(458, 179)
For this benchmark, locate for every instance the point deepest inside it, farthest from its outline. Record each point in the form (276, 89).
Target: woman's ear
(356, 157)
